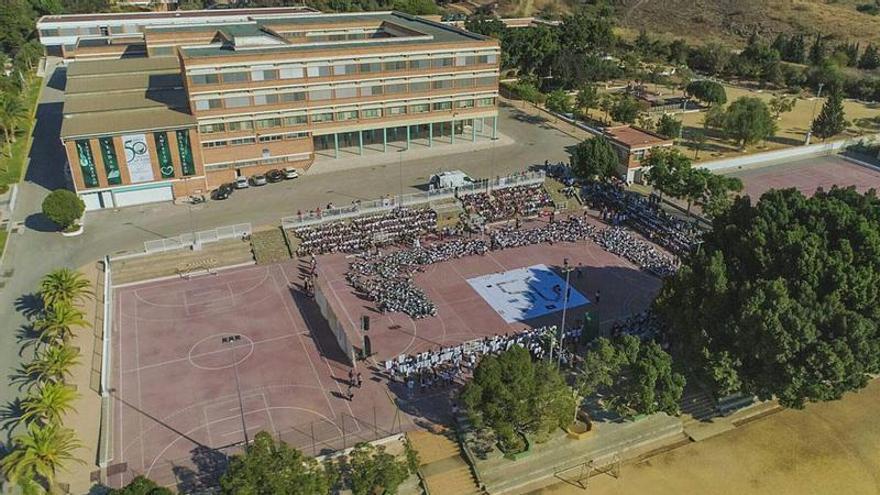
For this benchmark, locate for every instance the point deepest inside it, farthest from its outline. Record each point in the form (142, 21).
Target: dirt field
(827, 448)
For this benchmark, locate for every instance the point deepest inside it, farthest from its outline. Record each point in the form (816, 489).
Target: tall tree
(748, 121)
(559, 101)
(667, 169)
(626, 110)
(831, 121)
(587, 98)
(57, 323)
(12, 116)
(39, 453)
(709, 92)
(780, 301)
(65, 286)
(369, 469)
(268, 466)
(870, 58)
(669, 126)
(49, 402)
(54, 363)
(594, 158)
(781, 104)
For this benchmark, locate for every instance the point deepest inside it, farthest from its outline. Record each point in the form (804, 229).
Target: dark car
(275, 175)
(223, 191)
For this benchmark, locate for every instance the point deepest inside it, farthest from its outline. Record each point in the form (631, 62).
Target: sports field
(807, 175)
(825, 449)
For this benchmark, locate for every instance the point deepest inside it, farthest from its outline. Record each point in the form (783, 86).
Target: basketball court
(198, 362)
(807, 175)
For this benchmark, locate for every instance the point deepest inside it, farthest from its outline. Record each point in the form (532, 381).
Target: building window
(291, 72)
(418, 87)
(318, 71)
(270, 99)
(438, 63)
(296, 135)
(464, 83)
(344, 69)
(442, 84)
(485, 102)
(295, 120)
(395, 88)
(199, 79)
(234, 77)
(213, 144)
(348, 92)
(349, 115)
(420, 108)
(322, 117)
(444, 105)
(487, 81)
(272, 138)
(395, 111)
(208, 104)
(211, 128)
(242, 141)
(373, 67)
(264, 75)
(237, 101)
(163, 51)
(294, 96)
(319, 94)
(241, 125)
(372, 113)
(394, 66)
(461, 60)
(464, 104)
(420, 64)
(372, 90)
(268, 123)
(487, 59)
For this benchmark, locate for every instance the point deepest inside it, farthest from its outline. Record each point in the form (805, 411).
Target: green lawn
(3, 235)
(12, 167)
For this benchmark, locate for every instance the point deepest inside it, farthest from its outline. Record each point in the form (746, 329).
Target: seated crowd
(619, 241)
(366, 232)
(505, 203)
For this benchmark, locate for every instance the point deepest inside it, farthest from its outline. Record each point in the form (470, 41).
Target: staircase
(442, 468)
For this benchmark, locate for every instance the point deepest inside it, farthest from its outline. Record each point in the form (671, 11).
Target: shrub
(63, 207)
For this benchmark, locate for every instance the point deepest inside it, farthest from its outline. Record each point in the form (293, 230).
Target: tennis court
(807, 175)
(177, 376)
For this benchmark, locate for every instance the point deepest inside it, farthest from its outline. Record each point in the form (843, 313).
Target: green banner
(111, 164)
(185, 151)
(87, 163)
(166, 166)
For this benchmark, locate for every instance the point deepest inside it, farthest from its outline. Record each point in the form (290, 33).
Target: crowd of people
(506, 203)
(619, 241)
(571, 230)
(365, 233)
(618, 206)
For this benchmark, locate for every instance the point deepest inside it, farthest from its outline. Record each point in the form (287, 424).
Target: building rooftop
(633, 137)
(115, 96)
(159, 16)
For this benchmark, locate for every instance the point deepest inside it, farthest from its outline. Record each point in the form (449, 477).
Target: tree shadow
(47, 155)
(785, 141)
(40, 223)
(27, 337)
(10, 417)
(209, 465)
(29, 305)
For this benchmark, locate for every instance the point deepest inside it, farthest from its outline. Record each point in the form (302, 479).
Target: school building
(209, 102)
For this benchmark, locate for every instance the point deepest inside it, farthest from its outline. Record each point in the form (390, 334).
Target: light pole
(813, 116)
(232, 339)
(566, 268)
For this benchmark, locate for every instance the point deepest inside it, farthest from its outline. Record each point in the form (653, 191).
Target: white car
(290, 173)
(242, 182)
(259, 180)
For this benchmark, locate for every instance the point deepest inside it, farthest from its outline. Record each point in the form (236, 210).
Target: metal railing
(105, 451)
(203, 237)
(390, 202)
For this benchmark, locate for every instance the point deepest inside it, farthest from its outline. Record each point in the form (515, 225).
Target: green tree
(586, 99)
(626, 110)
(54, 363)
(48, 403)
(38, 454)
(870, 58)
(781, 104)
(141, 486)
(416, 7)
(529, 92)
(778, 302)
(634, 377)
(748, 121)
(13, 114)
(712, 58)
(831, 120)
(606, 101)
(669, 126)
(57, 322)
(64, 286)
(511, 393)
(192, 5)
(594, 158)
(559, 101)
(269, 467)
(63, 207)
(369, 469)
(709, 92)
(667, 169)
(700, 139)
(717, 196)
(486, 25)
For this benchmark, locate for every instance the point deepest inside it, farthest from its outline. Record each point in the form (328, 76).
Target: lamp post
(813, 115)
(232, 339)
(566, 268)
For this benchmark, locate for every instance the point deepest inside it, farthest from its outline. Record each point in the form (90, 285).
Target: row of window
(339, 69)
(252, 140)
(365, 91)
(261, 161)
(319, 117)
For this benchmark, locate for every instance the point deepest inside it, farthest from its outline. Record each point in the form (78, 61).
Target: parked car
(223, 192)
(275, 175)
(242, 182)
(258, 180)
(290, 173)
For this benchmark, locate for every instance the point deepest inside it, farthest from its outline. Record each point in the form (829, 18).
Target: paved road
(37, 249)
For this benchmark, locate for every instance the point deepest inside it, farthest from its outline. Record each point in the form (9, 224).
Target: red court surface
(463, 315)
(807, 175)
(176, 409)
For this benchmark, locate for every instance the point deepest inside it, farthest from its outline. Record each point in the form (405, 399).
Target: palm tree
(56, 324)
(65, 286)
(48, 403)
(53, 364)
(12, 114)
(39, 453)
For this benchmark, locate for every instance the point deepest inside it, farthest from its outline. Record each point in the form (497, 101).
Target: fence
(202, 237)
(388, 203)
(105, 450)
